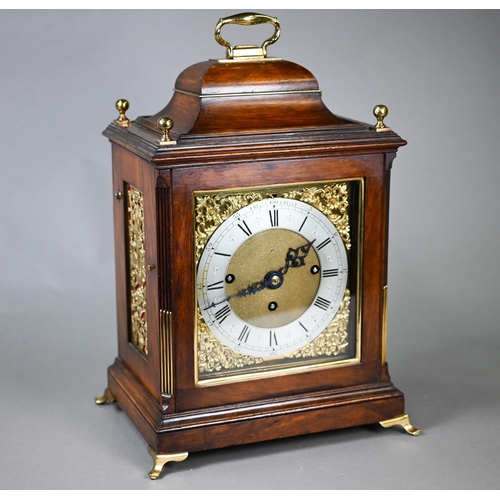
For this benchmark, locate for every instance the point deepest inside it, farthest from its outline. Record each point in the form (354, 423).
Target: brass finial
(380, 111)
(122, 106)
(165, 124)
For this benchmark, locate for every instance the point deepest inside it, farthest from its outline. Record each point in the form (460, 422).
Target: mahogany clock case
(323, 395)
(250, 126)
(436, 72)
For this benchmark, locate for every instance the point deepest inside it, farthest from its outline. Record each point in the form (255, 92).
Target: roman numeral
(302, 225)
(222, 314)
(273, 215)
(323, 244)
(223, 254)
(272, 338)
(215, 286)
(322, 303)
(303, 326)
(244, 334)
(329, 273)
(245, 229)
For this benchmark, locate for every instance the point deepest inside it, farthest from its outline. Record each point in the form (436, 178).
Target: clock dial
(272, 277)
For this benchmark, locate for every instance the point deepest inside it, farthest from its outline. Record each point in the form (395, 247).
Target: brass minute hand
(295, 257)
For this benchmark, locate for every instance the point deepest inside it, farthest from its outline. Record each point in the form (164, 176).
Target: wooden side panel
(130, 170)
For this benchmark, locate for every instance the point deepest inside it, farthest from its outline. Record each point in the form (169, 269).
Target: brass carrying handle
(247, 19)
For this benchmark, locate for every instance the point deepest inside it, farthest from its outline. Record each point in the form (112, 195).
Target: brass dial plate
(339, 341)
(268, 249)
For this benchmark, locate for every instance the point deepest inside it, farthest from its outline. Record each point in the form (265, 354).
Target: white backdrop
(60, 75)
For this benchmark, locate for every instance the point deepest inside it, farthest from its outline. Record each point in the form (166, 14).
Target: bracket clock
(251, 232)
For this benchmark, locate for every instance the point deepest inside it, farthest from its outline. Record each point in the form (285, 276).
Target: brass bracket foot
(403, 421)
(106, 398)
(159, 460)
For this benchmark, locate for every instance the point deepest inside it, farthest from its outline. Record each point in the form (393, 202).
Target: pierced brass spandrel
(333, 201)
(214, 356)
(333, 340)
(212, 210)
(136, 242)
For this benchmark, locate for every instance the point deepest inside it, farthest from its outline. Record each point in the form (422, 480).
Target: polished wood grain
(244, 125)
(258, 96)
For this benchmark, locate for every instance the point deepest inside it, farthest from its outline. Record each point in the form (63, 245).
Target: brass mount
(106, 398)
(160, 459)
(380, 112)
(165, 124)
(122, 105)
(403, 421)
(247, 52)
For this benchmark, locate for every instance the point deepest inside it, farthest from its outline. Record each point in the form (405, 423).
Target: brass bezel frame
(268, 372)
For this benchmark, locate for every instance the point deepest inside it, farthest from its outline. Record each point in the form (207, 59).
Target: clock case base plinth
(172, 436)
